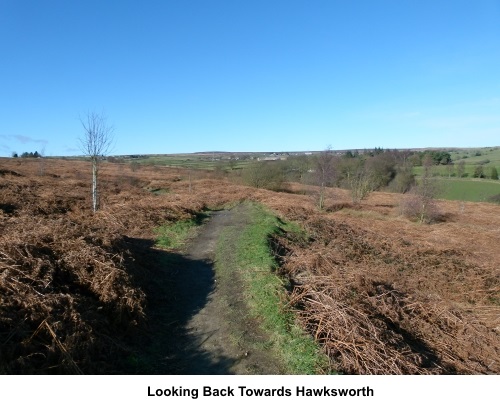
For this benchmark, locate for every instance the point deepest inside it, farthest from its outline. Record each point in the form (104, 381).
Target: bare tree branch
(96, 142)
(98, 135)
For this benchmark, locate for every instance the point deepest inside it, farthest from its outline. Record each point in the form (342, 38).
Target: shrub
(268, 175)
(461, 169)
(134, 166)
(494, 173)
(419, 204)
(479, 172)
(417, 207)
(404, 180)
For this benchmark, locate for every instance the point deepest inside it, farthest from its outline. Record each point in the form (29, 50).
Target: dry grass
(385, 295)
(381, 293)
(68, 279)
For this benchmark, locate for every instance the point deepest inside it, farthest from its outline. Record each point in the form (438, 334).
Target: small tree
(324, 167)
(268, 175)
(381, 167)
(460, 169)
(449, 168)
(494, 173)
(95, 143)
(420, 202)
(358, 178)
(404, 180)
(41, 162)
(479, 172)
(361, 184)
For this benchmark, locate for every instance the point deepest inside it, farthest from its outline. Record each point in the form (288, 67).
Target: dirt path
(202, 326)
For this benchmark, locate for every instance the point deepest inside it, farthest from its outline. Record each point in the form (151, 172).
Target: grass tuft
(174, 235)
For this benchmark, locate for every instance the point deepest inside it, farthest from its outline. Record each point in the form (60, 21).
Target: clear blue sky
(199, 75)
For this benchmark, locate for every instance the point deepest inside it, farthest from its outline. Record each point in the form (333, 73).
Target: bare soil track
(200, 325)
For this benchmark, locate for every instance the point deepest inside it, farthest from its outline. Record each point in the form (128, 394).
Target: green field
(487, 157)
(451, 171)
(196, 161)
(475, 156)
(468, 190)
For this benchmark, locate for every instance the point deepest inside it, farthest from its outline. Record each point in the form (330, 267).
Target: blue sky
(200, 75)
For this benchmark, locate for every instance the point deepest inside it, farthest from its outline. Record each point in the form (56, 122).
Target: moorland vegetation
(383, 285)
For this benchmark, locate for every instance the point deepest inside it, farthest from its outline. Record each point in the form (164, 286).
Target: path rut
(204, 326)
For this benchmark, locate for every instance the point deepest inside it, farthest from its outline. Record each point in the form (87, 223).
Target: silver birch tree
(95, 143)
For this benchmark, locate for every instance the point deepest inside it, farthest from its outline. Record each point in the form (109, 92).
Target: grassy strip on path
(244, 248)
(174, 235)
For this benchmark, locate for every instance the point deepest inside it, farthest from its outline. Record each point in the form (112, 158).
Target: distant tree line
(362, 173)
(435, 158)
(377, 169)
(27, 155)
(359, 172)
(481, 173)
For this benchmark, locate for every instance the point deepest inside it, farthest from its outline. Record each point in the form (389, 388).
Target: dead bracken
(380, 293)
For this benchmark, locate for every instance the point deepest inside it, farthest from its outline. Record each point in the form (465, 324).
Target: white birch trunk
(95, 205)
